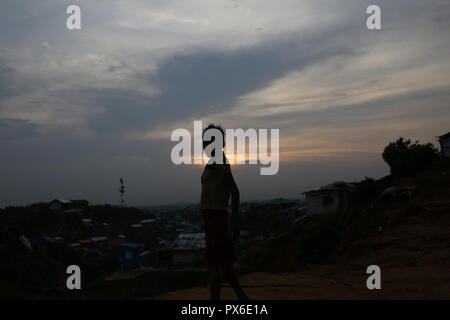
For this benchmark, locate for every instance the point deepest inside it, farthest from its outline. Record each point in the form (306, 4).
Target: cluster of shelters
(186, 250)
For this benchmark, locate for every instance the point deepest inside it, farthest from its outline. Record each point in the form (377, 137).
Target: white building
(444, 141)
(328, 199)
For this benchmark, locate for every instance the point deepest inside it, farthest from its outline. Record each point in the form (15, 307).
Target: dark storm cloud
(206, 81)
(211, 81)
(6, 80)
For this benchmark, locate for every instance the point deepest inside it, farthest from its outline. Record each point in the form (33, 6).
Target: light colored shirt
(215, 192)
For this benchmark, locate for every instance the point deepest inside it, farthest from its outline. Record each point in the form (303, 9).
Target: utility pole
(121, 190)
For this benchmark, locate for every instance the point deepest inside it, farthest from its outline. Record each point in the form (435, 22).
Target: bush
(408, 159)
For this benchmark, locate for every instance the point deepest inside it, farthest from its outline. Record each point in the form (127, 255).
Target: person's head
(209, 136)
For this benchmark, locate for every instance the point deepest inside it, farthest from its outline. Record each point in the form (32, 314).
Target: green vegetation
(407, 159)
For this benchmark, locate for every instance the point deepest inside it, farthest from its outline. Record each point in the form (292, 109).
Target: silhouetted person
(222, 232)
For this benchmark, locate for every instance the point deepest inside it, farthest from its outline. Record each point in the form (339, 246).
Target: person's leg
(232, 279)
(214, 278)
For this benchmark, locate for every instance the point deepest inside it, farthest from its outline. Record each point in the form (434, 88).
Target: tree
(407, 159)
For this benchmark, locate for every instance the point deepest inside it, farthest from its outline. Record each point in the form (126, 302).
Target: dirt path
(330, 283)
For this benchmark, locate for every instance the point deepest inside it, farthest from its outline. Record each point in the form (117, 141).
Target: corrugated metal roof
(136, 225)
(147, 220)
(197, 235)
(188, 243)
(62, 200)
(333, 187)
(130, 245)
(95, 239)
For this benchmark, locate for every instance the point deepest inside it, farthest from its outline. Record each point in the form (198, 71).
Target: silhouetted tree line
(406, 158)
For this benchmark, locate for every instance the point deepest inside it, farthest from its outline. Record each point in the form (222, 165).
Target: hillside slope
(326, 257)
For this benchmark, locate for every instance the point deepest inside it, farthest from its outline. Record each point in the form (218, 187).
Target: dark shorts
(219, 244)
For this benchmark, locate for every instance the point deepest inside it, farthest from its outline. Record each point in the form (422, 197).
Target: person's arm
(234, 204)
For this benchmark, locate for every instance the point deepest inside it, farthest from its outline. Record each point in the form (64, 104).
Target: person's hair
(213, 126)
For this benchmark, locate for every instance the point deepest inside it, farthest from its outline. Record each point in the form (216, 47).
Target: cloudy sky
(81, 108)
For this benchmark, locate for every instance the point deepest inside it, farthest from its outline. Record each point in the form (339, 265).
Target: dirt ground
(331, 284)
